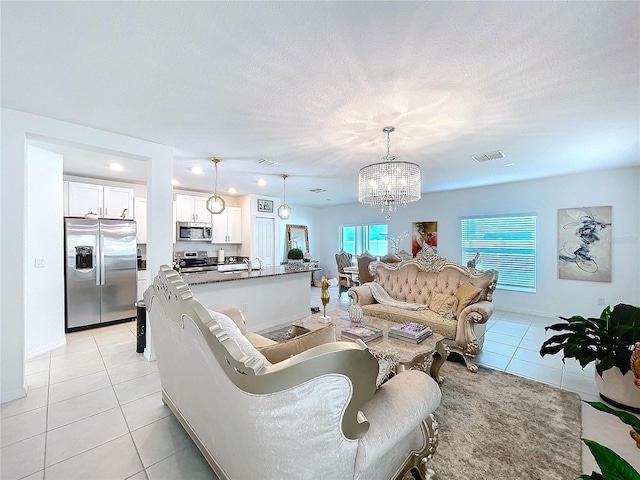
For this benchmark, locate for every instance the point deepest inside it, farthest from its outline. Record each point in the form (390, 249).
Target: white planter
(619, 388)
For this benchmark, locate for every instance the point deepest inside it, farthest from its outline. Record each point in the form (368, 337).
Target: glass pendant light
(215, 203)
(284, 210)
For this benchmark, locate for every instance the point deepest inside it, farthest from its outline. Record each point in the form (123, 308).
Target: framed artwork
(265, 206)
(584, 244)
(424, 237)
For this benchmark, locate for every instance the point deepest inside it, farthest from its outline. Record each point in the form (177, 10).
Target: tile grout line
(135, 446)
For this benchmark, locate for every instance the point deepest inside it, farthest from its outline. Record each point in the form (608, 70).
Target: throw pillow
(232, 330)
(442, 303)
(289, 348)
(466, 294)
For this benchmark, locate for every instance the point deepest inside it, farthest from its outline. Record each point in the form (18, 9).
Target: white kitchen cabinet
(105, 201)
(118, 202)
(227, 226)
(140, 216)
(190, 208)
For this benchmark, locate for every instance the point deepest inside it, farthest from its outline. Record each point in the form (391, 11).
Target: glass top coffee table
(427, 356)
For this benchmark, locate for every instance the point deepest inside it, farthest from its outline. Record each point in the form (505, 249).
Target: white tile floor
(94, 410)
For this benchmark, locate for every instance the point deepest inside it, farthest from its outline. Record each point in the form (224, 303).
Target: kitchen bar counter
(200, 278)
(268, 298)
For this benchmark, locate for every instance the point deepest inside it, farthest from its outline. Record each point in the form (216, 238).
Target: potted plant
(608, 341)
(611, 464)
(295, 256)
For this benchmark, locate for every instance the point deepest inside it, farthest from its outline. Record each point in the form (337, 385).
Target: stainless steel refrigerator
(100, 271)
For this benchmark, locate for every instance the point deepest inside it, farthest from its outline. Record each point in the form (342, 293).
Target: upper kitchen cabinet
(103, 200)
(192, 209)
(227, 226)
(140, 216)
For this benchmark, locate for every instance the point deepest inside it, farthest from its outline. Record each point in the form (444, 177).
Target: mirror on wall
(298, 237)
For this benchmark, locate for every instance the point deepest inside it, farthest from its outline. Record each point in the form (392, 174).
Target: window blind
(505, 243)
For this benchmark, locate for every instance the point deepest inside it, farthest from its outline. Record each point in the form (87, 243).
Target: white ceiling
(310, 85)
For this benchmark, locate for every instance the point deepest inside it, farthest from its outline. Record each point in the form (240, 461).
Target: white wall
(44, 297)
(619, 188)
(17, 129)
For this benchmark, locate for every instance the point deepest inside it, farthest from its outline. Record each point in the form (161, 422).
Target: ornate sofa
(316, 414)
(453, 300)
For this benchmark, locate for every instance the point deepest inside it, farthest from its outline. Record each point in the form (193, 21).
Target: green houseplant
(612, 465)
(295, 254)
(607, 340)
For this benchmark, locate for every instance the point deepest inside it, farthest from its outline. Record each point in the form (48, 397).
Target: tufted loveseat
(455, 301)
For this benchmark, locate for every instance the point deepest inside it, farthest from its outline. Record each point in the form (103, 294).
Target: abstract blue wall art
(584, 244)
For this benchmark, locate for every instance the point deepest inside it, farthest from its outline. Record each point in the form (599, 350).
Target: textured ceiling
(555, 85)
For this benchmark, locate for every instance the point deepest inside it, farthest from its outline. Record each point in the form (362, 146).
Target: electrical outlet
(39, 262)
(602, 302)
(245, 307)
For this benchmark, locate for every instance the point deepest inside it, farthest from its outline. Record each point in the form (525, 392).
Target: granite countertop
(200, 278)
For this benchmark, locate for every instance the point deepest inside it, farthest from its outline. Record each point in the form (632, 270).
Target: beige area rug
(494, 425)
(498, 426)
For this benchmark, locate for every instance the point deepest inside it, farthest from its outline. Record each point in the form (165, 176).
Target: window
(505, 243)
(355, 239)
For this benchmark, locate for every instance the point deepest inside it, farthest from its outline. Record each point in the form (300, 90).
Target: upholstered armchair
(316, 414)
(346, 281)
(364, 260)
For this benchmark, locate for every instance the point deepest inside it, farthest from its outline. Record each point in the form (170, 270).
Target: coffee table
(427, 356)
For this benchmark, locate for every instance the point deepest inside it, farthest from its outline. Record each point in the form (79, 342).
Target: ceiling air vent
(483, 157)
(269, 163)
(317, 190)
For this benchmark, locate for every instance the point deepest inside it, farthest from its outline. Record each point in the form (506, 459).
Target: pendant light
(284, 210)
(215, 203)
(389, 183)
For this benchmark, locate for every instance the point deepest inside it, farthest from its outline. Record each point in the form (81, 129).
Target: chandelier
(389, 183)
(284, 210)
(215, 203)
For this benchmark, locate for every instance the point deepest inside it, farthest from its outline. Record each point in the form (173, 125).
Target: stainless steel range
(196, 261)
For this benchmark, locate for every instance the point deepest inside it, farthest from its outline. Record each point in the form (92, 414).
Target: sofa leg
(471, 363)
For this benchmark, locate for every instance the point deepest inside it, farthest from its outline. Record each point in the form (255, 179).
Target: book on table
(361, 332)
(411, 330)
(416, 340)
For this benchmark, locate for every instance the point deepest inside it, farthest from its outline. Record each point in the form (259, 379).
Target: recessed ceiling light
(175, 182)
(196, 170)
(510, 164)
(262, 182)
(232, 190)
(116, 166)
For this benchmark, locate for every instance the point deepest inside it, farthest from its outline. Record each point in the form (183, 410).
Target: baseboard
(525, 311)
(45, 348)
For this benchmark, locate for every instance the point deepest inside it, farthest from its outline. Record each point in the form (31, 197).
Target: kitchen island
(270, 297)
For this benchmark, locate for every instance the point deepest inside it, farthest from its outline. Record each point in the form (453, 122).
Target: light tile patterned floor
(94, 410)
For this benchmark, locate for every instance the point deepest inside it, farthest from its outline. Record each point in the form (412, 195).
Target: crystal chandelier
(284, 210)
(215, 203)
(389, 183)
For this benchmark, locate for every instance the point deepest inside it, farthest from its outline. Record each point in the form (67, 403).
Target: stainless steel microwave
(193, 232)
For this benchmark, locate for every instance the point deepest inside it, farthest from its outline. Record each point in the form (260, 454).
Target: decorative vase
(620, 390)
(355, 313)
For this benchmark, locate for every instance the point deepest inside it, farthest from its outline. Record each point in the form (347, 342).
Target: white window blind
(506, 244)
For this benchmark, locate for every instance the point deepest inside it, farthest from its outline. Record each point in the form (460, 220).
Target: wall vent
(317, 190)
(483, 157)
